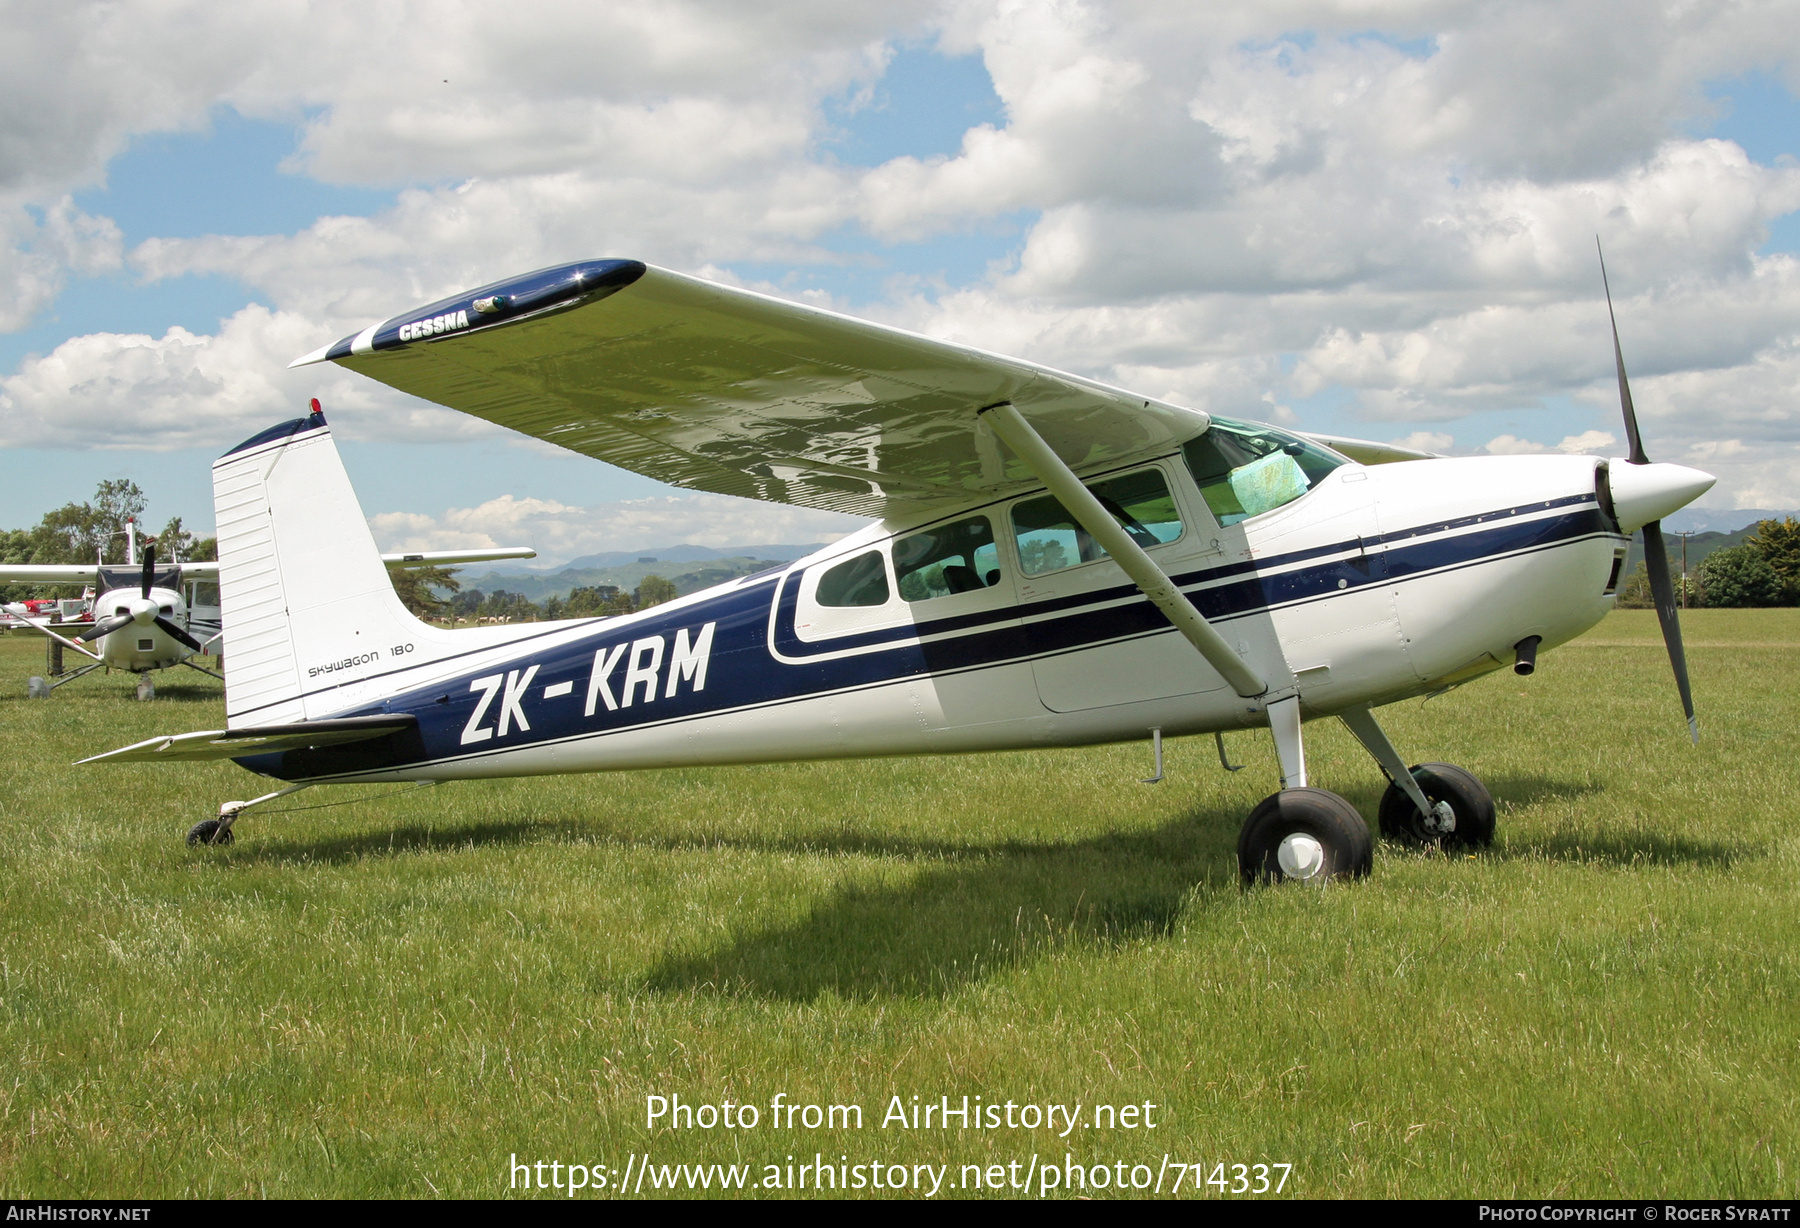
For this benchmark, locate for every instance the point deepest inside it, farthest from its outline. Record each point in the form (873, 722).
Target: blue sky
(220, 173)
(228, 178)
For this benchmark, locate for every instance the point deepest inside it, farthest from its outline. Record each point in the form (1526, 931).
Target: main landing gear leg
(218, 831)
(40, 688)
(1435, 805)
(1301, 833)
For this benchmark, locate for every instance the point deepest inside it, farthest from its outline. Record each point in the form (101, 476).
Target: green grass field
(394, 997)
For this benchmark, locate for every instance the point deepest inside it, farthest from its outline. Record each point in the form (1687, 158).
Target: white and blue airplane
(1055, 562)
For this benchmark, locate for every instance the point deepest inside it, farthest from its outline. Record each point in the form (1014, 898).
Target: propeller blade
(149, 568)
(1656, 562)
(104, 627)
(1656, 552)
(178, 633)
(1637, 456)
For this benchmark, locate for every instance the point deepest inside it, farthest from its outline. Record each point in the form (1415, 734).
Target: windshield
(117, 577)
(1244, 469)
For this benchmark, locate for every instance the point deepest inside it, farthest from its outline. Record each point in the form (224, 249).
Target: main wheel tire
(1309, 835)
(1469, 801)
(206, 831)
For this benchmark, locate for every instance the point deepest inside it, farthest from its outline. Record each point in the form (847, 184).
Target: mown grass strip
(391, 998)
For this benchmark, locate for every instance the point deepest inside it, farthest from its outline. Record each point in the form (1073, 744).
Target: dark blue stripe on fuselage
(742, 673)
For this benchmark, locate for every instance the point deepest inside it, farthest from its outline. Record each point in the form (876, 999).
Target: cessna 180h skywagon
(1055, 562)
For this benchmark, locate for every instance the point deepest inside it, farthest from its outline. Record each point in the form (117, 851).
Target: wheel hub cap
(1442, 819)
(1301, 856)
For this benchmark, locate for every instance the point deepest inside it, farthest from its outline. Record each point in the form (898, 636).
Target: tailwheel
(1462, 810)
(1307, 835)
(208, 831)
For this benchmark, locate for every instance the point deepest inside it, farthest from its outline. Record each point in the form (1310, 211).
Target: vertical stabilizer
(308, 606)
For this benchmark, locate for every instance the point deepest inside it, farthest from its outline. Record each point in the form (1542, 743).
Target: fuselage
(141, 645)
(1378, 583)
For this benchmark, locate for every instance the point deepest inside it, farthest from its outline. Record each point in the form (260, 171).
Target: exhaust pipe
(1525, 655)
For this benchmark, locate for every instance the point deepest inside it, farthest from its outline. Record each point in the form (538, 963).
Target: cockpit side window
(1050, 540)
(951, 558)
(1244, 469)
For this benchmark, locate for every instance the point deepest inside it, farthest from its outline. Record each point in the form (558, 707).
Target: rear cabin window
(860, 581)
(1244, 469)
(1050, 540)
(951, 558)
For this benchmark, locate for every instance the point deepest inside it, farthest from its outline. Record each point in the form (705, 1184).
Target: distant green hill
(687, 577)
(1699, 545)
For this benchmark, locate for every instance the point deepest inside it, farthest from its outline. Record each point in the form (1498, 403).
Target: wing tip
(307, 360)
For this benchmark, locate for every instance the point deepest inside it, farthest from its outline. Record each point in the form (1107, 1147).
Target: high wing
(1367, 451)
(445, 558)
(714, 388)
(47, 573)
(415, 558)
(84, 573)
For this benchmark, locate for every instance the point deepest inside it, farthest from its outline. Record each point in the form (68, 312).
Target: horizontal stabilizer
(265, 739)
(445, 558)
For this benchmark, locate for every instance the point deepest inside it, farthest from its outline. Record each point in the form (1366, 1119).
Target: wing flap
(266, 739)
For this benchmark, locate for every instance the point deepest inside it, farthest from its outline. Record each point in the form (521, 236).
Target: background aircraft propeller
(1656, 552)
(120, 621)
(105, 627)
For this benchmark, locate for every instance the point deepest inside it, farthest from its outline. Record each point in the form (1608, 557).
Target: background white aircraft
(1056, 562)
(146, 617)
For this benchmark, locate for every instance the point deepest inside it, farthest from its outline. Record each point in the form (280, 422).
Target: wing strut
(1010, 425)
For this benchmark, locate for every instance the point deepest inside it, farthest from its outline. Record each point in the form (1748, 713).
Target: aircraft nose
(1643, 493)
(143, 612)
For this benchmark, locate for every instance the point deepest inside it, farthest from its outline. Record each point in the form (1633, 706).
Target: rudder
(307, 601)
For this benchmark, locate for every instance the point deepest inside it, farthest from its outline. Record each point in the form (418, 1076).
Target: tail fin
(307, 602)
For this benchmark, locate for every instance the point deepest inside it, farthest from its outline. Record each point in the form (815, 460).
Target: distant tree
(1038, 555)
(418, 589)
(1778, 541)
(84, 532)
(1635, 593)
(509, 607)
(1739, 576)
(75, 533)
(654, 590)
(175, 542)
(600, 601)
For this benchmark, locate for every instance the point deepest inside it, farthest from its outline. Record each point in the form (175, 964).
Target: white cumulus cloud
(1240, 205)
